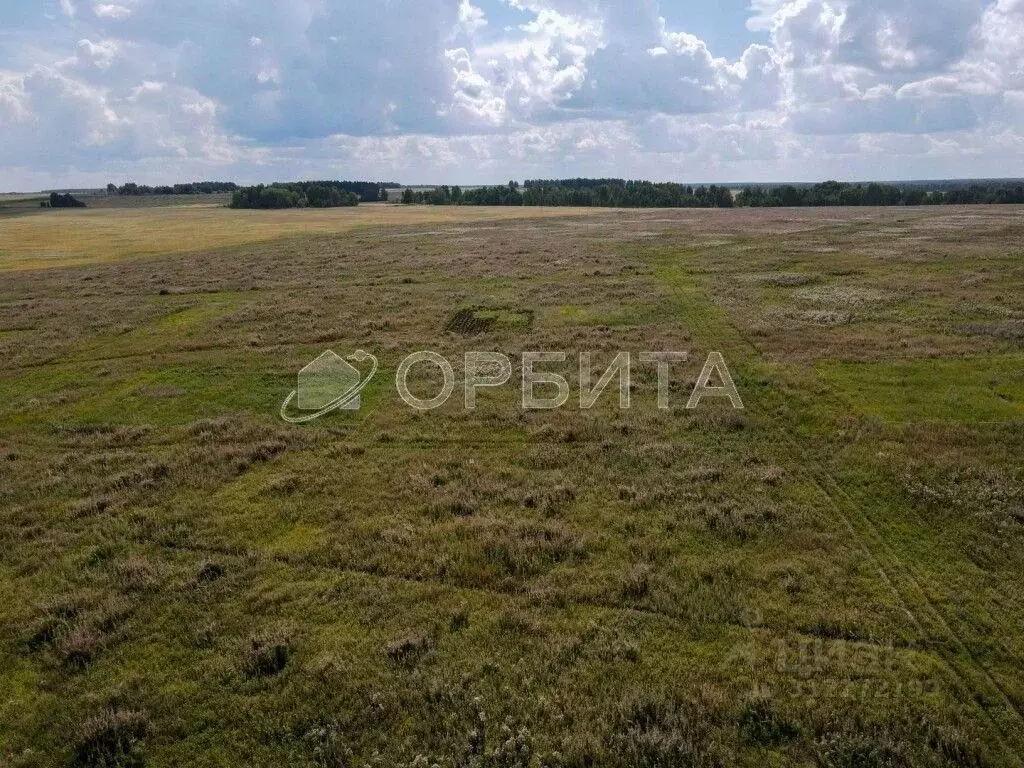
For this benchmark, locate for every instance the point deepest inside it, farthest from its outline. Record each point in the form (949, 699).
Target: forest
(298, 194)
(131, 189)
(603, 193)
(312, 194)
(619, 193)
(365, 191)
(838, 193)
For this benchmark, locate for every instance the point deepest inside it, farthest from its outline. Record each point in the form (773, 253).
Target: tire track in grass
(677, 270)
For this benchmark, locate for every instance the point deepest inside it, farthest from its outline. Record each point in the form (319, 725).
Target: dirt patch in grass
(474, 320)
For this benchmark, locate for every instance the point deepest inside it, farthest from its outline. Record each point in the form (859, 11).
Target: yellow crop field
(74, 237)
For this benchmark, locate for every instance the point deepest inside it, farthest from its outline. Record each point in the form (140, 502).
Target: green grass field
(832, 576)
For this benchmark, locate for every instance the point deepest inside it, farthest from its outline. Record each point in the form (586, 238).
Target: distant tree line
(608, 193)
(312, 194)
(298, 194)
(62, 201)
(131, 189)
(839, 193)
(619, 193)
(366, 191)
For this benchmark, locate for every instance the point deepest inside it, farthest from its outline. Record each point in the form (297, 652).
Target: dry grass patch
(73, 238)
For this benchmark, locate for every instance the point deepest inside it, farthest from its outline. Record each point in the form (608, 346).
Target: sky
(483, 91)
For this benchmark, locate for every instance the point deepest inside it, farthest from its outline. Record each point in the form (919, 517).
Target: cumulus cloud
(100, 54)
(429, 87)
(13, 107)
(888, 113)
(877, 67)
(115, 12)
(1001, 37)
(541, 69)
(59, 117)
(470, 17)
(911, 36)
(52, 120)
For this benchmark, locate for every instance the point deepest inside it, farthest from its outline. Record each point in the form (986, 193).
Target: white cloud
(147, 87)
(62, 116)
(471, 17)
(268, 75)
(13, 106)
(428, 87)
(1001, 35)
(53, 120)
(99, 55)
(542, 68)
(115, 12)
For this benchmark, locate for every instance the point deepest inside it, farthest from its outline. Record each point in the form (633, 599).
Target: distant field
(155, 201)
(833, 576)
(29, 204)
(16, 205)
(61, 238)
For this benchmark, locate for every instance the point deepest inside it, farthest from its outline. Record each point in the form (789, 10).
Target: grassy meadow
(832, 576)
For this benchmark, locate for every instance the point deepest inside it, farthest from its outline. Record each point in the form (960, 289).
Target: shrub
(110, 738)
(64, 201)
(267, 655)
(408, 650)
